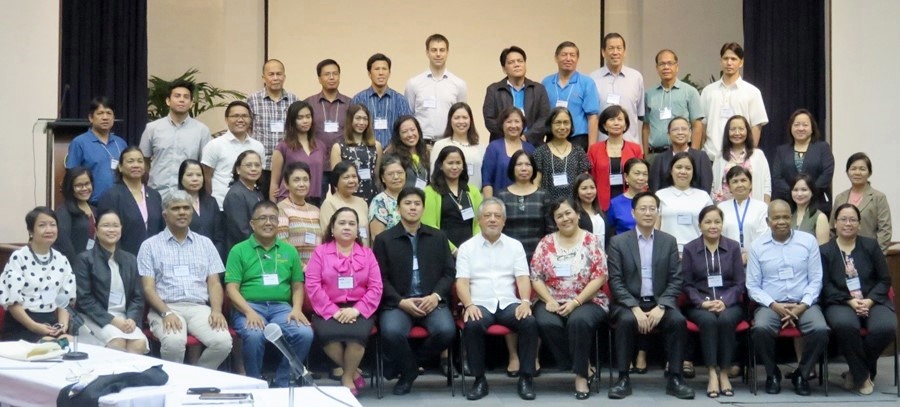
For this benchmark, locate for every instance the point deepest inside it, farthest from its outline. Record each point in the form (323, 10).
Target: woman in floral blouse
(383, 213)
(568, 270)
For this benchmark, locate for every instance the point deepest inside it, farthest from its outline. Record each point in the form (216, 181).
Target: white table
(303, 396)
(40, 387)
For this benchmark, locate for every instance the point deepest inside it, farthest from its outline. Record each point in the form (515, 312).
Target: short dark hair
(407, 191)
(68, 182)
(643, 194)
(386, 160)
(846, 205)
(663, 51)
(103, 212)
(329, 236)
(735, 171)
(733, 47)
(183, 169)
(507, 51)
(127, 150)
(240, 161)
(555, 205)
(677, 157)
(812, 122)
(292, 167)
(635, 161)
(436, 38)
(553, 114)
(611, 112)
(340, 169)
(32, 215)
(611, 36)
(98, 102)
(264, 204)
(672, 120)
(325, 62)
(726, 141)
(710, 208)
(375, 58)
(238, 103)
(511, 166)
(859, 156)
(509, 111)
(566, 44)
(182, 83)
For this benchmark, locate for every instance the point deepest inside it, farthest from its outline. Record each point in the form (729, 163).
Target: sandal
(728, 392)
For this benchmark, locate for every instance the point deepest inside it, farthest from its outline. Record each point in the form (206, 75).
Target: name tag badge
(331, 127)
(415, 265)
(182, 271)
(714, 281)
(381, 124)
(467, 213)
(364, 233)
(309, 238)
(562, 270)
(365, 173)
(116, 298)
(726, 112)
(613, 99)
(562, 103)
(560, 180)
(429, 103)
(345, 283)
(853, 284)
(113, 164)
(420, 183)
(276, 127)
(270, 279)
(615, 179)
(471, 169)
(665, 114)
(684, 219)
(90, 244)
(785, 273)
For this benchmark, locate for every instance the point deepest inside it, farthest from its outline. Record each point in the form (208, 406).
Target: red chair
(742, 327)
(191, 339)
(2, 315)
(789, 333)
(493, 330)
(418, 332)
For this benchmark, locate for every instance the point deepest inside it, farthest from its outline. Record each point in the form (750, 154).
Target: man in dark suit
(417, 271)
(645, 280)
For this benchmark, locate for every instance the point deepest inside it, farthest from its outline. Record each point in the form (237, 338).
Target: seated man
(489, 268)
(417, 271)
(180, 272)
(645, 280)
(264, 281)
(784, 276)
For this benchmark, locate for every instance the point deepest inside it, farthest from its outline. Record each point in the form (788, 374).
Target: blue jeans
(299, 338)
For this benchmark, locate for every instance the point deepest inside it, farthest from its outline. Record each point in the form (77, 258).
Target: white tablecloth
(303, 396)
(40, 387)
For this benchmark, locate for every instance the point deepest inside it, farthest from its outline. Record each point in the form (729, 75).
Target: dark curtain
(103, 52)
(784, 46)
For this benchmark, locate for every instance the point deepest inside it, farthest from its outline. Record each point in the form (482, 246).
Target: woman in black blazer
(807, 154)
(139, 206)
(854, 295)
(110, 298)
(207, 218)
(75, 215)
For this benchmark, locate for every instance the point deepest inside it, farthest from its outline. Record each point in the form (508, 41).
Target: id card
(726, 112)
(345, 283)
(562, 270)
(853, 284)
(684, 219)
(615, 179)
(113, 164)
(90, 244)
(309, 238)
(420, 183)
(714, 281)
(471, 169)
(429, 103)
(363, 233)
(613, 99)
(116, 298)
(270, 279)
(331, 127)
(785, 273)
(182, 271)
(365, 174)
(560, 180)
(665, 114)
(562, 103)
(381, 124)
(467, 213)
(276, 127)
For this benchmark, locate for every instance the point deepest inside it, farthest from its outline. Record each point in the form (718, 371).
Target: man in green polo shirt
(264, 281)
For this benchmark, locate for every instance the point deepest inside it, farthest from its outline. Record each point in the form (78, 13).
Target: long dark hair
(183, 169)
(726, 141)
(472, 134)
(439, 181)
(291, 132)
(402, 150)
(368, 136)
(580, 179)
(68, 183)
(329, 236)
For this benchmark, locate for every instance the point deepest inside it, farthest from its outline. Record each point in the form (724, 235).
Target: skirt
(13, 330)
(330, 330)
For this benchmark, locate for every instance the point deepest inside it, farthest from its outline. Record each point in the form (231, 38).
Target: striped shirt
(180, 269)
(294, 222)
(268, 119)
(389, 106)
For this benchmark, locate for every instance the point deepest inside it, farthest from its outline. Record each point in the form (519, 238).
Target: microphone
(62, 301)
(276, 337)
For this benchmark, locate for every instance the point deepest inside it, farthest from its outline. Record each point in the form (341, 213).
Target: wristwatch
(166, 314)
(662, 307)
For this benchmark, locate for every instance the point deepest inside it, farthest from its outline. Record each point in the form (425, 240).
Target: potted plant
(206, 96)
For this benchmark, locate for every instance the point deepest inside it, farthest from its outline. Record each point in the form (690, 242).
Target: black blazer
(73, 226)
(134, 232)
(625, 269)
(537, 109)
(437, 267)
(693, 268)
(209, 222)
(871, 266)
(818, 164)
(659, 170)
(92, 279)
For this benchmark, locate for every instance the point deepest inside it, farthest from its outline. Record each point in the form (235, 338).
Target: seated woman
(343, 282)
(32, 280)
(243, 194)
(744, 218)
(383, 213)
(407, 144)
(587, 206)
(298, 219)
(714, 283)
(619, 215)
(76, 214)
(680, 203)
(855, 288)
(568, 270)
(450, 200)
(110, 297)
(805, 216)
(207, 218)
(345, 181)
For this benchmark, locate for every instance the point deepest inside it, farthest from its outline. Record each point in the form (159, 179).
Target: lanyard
(267, 257)
(558, 96)
(325, 112)
(741, 218)
(463, 198)
(565, 163)
(715, 257)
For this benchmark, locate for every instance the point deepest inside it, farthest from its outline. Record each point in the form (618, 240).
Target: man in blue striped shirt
(384, 103)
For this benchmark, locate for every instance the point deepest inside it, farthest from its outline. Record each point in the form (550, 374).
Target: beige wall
(29, 78)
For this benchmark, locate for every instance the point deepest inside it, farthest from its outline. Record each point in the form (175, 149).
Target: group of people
(593, 197)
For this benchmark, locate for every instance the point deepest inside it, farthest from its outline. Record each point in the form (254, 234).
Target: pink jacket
(322, 273)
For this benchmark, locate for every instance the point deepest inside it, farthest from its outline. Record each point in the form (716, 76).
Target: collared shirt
(679, 212)
(180, 269)
(220, 155)
(645, 249)
(430, 99)
(785, 272)
(167, 145)
(390, 106)
(681, 100)
(628, 86)
(249, 264)
(492, 269)
(753, 213)
(88, 151)
(268, 119)
(518, 95)
(579, 96)
(719, 102)
(330, 111)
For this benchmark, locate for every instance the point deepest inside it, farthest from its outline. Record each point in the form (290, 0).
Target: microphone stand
(76, 326)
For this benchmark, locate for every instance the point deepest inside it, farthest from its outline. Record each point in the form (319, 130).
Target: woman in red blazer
(608, 157)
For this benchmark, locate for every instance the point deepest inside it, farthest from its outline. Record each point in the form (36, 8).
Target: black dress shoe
(773, 384)
(621, 389)
(582, 395)
(445, 368)
(403, 386)
(526, 388)
(678, 388)
(801, 385)
(479, 389)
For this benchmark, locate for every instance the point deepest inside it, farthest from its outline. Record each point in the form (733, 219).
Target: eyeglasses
(266, 219)
(561, 123)
(85, 185)
(239, 116)
(849, 221)
(666, 64)
(394, 174)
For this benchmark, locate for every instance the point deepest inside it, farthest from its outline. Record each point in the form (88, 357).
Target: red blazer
(600, 167)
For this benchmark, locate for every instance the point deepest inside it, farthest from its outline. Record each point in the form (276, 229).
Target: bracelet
(577, 302)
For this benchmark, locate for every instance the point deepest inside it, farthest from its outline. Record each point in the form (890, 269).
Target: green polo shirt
(682, 100)
(247, 262)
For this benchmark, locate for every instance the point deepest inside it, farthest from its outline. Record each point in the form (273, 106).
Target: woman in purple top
(496, 159)
(299, 144)
(343, 282)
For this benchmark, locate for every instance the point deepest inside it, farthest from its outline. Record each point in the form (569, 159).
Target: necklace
(38, 259)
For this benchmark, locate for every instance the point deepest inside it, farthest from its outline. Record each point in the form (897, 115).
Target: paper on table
(27, 351)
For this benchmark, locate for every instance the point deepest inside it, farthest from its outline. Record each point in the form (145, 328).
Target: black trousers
(473, 337)
(767, 324)
(395, 325)
(861, 352)
(571, 338)
(672, 326)
(717, 337)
